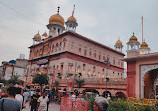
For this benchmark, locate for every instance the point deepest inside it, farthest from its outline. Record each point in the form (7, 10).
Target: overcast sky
(101, 20)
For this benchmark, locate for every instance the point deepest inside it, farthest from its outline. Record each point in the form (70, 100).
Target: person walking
(42, 102)
(19, 97)
(10, 103)
(33, 101)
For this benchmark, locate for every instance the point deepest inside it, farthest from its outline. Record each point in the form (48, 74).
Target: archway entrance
(120, 95)
(150, 82)
(106, 94)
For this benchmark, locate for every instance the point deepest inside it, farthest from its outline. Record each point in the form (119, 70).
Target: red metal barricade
(70, 104)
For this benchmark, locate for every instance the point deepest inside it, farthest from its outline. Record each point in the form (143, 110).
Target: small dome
(133, 38)
(71, 19)
(37, 36)
(144, 44)
(118, 42)
(44, 34)
(56, 19)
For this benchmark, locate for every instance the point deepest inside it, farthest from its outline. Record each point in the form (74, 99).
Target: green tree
(80, 83)
(14, 80)
(40, 79)
(56, 84)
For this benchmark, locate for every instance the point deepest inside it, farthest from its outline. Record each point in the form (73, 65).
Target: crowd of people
(16, 99)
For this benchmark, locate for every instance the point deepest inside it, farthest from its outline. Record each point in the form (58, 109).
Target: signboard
(42, 61)
(8, 72)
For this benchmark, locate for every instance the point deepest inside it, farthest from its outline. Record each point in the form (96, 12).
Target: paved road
(52, 107)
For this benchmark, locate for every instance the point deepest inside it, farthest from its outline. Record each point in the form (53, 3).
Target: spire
(133, 33)
(73, 10)
(58, 10)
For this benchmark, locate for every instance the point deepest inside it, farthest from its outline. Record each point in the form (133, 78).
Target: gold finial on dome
(37, 36)
(133, 38)
(57, 19)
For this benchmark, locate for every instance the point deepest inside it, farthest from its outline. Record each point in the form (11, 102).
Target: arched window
(79, 50)
(89, 72)
(99, 74)
(56, 49)
(83, 71)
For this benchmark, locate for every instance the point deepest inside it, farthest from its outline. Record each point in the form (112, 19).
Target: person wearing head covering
(100, 104)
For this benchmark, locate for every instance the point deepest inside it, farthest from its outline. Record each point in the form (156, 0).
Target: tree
(14, 80)
(80, 83)
(40, 79)
(56, 84)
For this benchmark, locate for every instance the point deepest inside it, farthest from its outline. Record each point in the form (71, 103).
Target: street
(52, 107)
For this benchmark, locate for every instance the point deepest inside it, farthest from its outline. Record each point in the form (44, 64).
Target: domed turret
(118, 45)
(71, 23)
(44, 34)
(56, 19)
(56, 22)
(37, 38)
(144, 44)
(133, 38)
(71, 19)
(144, 49)
(133, 46)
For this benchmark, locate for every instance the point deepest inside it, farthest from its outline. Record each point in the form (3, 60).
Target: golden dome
(57, 19)
(71, 19)
(118, 42)
(37, 36)
(44, 34)
(133, 38)
(144, 44)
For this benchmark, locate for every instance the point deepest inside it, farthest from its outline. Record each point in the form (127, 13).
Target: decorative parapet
(98, 81)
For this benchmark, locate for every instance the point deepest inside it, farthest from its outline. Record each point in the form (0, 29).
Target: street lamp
(107, 62)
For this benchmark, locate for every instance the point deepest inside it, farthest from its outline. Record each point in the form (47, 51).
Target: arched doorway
(120, 95)
(106, 93)
(90, 90)
(150, 82)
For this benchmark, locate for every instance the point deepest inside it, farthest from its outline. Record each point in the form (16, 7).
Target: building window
(99, 74)
(85, 52)
(83, 70)
(114, 61)
(118, 63)
(99, 57)
(103, 58)
(89, 72)
(95, 55)
(90, 53)
(79, 50)
(56, 49)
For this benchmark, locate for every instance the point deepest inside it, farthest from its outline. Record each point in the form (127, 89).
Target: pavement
(52, 107)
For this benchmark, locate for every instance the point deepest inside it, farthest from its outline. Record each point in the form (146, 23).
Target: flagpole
(142, 29)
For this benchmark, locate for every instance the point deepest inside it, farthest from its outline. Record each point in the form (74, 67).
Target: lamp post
(74, 74)
(107, 62)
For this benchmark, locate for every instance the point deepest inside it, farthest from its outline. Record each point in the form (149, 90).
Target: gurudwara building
(63, 55)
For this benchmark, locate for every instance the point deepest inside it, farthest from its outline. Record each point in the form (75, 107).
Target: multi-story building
(64, 54)
(16, 67)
